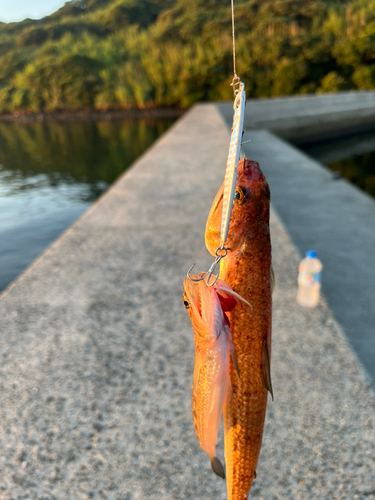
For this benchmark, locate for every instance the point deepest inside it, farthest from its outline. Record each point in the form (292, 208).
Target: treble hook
(212, 268)
(195, 279)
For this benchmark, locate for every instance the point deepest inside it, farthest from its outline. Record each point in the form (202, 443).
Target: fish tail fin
(217, 467)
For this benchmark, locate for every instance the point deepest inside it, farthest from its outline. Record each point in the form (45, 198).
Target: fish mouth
(198, 302)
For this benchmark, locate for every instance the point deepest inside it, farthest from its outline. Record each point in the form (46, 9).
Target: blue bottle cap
(311, 253)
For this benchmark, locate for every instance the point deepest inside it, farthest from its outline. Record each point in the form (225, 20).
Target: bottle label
(308, 278)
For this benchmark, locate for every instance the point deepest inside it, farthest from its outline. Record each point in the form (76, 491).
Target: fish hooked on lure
(247, 270)
(211, 389)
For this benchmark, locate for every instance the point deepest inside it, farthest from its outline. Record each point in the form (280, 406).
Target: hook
(211, 271)
(212, 268)
(195, 279)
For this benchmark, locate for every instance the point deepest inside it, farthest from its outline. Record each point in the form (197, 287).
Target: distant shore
(91, 114)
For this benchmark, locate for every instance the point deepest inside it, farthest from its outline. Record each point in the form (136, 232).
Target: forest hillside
(111, 54)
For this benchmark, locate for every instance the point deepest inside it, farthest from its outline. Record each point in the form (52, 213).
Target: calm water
(50, 174)
(352, 158)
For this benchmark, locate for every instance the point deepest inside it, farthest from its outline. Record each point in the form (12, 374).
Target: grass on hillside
(117, 54)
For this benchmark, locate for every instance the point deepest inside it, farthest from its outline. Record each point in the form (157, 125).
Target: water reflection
(51, 172)
(351, 157)
(359, 170)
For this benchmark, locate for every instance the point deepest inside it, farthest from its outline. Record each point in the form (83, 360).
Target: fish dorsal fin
(266, 368)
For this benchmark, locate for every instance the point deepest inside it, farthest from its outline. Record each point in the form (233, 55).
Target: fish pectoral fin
(232, 350)
(234, 359)
(266, 368)
(217, 467)
(273, 280)
(227, 301)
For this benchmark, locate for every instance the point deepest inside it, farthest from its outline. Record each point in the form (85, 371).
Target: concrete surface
(309, 118)
(97, 352)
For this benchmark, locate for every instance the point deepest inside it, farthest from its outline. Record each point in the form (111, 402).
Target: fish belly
(243, 428)
(211, 385)
(245, 413)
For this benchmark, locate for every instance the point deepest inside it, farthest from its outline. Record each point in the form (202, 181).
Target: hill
(139, 53)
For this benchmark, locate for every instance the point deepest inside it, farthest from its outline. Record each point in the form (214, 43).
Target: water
(351, 157)
(50, 173)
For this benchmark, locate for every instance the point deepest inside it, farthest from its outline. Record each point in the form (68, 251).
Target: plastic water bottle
(309, 273)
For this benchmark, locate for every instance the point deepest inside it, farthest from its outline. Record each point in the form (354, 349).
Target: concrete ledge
(97, 349)
(334, 218)
(303, 119)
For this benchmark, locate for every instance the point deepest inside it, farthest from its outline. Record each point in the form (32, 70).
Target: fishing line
(236, 82)
(231, 169)
(234, 42)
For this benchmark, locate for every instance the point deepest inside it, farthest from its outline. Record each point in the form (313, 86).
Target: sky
(17, 10)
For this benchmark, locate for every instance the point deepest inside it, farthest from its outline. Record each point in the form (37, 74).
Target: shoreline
(92, 114)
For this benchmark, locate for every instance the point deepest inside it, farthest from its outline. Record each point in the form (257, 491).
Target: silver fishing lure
(229, 181)
(232, 162)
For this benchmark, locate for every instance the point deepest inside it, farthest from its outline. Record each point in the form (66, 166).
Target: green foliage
(288, 76)
(72, 81)
(364, 77)
(125, 53)
(129, 12)
(33, 36)
(332, 82)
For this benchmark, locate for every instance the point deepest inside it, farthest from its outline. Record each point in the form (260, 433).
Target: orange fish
(247, 270)
(206, 306)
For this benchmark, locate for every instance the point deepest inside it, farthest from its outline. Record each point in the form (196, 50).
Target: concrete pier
(310, 118)
(321, 213)
(97, 350)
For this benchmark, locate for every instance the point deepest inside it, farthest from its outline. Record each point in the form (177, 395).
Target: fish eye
(241, 194)
(186, 302)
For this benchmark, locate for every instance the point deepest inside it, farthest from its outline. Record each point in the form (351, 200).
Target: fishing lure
(228, 186)
(232, 162)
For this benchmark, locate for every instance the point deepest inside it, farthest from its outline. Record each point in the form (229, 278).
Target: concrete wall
(334, 218)
(303, 119)
(331, 216)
